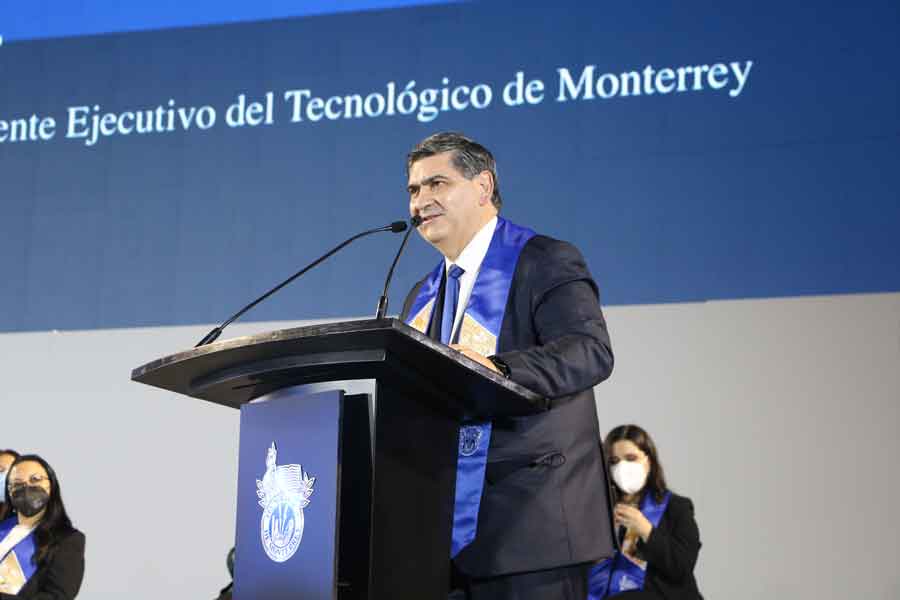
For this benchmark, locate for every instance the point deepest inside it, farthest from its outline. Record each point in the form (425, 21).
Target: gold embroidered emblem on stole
(472, 333)
(477, 337)
(420, 321)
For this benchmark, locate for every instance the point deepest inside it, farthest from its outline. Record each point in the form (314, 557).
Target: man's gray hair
(469, 157)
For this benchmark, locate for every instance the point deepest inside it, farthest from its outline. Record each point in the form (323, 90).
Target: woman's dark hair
(656, 480)
(55, 523)
(5, 508)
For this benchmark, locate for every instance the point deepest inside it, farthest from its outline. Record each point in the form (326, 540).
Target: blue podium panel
(287, 496)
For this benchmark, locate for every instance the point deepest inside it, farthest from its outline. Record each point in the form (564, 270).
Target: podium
(349, 437)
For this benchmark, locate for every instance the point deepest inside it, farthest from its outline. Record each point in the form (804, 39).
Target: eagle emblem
(283, 493)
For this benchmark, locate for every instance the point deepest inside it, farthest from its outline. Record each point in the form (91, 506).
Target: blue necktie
(451, 299)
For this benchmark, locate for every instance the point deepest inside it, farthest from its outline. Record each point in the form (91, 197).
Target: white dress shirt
(469, 260)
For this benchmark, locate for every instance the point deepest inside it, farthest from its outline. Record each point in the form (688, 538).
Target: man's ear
(485, 182)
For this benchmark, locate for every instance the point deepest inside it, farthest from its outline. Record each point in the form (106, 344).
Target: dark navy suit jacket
(546, 498)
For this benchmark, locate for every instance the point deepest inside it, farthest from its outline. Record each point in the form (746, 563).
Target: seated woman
(6, 460)
(41, 554)
(658, 535)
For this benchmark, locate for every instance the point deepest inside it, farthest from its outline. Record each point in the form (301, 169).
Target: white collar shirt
(470, 260)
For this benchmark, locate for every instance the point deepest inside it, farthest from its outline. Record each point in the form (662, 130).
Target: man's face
(452, 207)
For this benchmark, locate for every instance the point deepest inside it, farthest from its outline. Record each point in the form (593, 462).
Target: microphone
(383, 301)
(395, 227)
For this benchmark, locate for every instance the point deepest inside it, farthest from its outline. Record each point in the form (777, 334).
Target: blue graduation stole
(479, 329)
(620, 573)
(24, 550)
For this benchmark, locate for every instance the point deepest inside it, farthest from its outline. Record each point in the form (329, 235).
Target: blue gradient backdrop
(789, 189)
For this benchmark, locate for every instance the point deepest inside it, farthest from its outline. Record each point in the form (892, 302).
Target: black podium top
(235, 371)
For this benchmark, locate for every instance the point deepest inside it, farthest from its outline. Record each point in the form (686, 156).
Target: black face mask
(29, 500)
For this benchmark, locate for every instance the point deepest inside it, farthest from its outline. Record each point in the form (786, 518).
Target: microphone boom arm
(383, 301)
(216, 332)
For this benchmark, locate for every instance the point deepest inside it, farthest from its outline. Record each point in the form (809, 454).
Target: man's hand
(633, 519)
(479, 358)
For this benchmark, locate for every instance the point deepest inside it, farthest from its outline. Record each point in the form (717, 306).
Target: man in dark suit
(532, 506)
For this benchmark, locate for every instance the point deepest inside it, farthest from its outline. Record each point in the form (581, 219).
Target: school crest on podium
(283, 493)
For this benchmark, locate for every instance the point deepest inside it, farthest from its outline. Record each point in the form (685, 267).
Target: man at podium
(530, 491)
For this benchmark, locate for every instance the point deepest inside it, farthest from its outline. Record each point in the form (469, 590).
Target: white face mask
(630, 476)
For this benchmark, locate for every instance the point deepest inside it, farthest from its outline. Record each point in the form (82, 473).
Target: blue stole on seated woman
(622, 573)
(24, 551)
(479, 330)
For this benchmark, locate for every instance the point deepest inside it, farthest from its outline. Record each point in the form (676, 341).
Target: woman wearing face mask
(41, 554)
(658, 534)
(7, 457)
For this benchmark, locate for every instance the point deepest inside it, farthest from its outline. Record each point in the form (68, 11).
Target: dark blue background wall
(790, 188)
(41, 19)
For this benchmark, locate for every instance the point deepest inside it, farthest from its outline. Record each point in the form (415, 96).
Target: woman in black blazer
(658, 535)
(38, 543)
